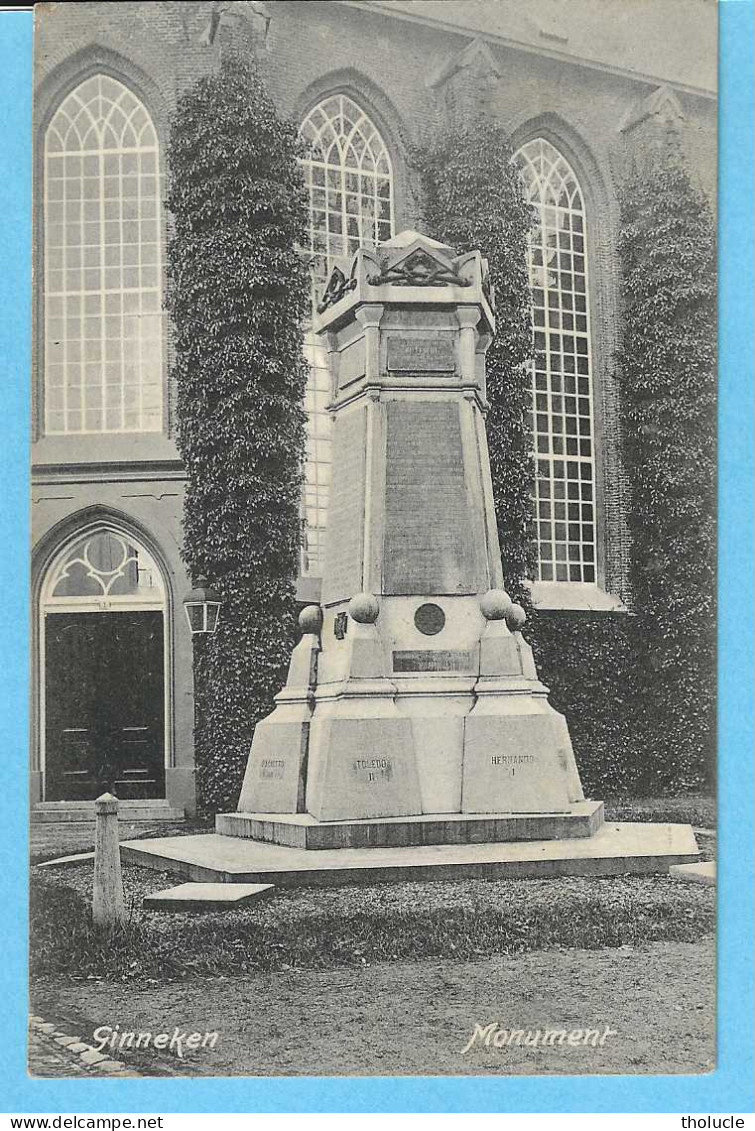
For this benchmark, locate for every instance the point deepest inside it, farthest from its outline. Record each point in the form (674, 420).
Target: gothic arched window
(102, 264)
(562, 418)
(349, 178)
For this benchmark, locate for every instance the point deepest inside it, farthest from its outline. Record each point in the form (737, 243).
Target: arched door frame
(54, 548)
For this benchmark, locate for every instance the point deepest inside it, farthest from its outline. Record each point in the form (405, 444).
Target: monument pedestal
(414, 715)
(302, 830)
(413, 736)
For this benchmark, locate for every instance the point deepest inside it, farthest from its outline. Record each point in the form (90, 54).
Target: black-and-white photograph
(373, 725)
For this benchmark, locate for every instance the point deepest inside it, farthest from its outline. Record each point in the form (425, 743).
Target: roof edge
(381, 8)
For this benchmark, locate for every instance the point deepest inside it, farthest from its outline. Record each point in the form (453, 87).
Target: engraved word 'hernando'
(492, 1035)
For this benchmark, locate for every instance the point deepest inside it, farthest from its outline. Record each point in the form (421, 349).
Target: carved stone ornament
(662, 104)
(338, 285)
(419, 269)
(237, 17)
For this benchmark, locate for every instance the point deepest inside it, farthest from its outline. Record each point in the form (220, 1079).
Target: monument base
(301, 830)
(615, 850)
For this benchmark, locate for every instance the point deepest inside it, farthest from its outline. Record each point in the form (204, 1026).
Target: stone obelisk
(412, 692)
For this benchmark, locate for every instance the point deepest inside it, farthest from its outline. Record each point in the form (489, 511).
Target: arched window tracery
(102, 263)
(563, 425)
(349, 178)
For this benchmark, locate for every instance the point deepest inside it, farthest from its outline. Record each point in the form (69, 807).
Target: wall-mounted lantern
(202, 608)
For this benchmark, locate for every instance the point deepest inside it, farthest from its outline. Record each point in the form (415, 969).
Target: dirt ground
(414, 1018)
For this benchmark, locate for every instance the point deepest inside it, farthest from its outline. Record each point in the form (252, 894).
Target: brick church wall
(414, 81)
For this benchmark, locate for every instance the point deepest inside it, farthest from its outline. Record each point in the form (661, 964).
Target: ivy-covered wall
(638, 690)
(473, 199)
(590, 663)
(239, 293)
(667, 368)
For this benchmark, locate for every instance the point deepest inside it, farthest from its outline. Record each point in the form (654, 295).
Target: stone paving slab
(48, 1059)
(703, 873)
(54, 1053)
(617, 849)
(205, 897)
(77, 858)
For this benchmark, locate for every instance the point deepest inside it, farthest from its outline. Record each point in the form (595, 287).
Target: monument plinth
(413, 738)
(412, 699)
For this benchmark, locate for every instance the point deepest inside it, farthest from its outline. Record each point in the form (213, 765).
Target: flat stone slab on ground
(205, 897)
(702, 873)
(618, 849)
(76, 858)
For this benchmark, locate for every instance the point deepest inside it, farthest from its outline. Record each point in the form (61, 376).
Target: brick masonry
(414, 76)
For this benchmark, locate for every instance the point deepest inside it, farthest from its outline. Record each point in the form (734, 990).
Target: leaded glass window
(349, 177)
(562, 394)
(102, 267)
(104, 567)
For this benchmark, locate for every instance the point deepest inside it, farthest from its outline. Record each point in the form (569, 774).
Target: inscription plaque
(421, 355)
(419, 660)
(430, 543)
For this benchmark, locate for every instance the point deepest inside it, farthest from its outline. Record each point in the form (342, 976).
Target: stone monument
(413, 737)
(412, 713)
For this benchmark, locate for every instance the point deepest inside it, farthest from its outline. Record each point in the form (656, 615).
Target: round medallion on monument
(495, 604)
(429, 619)
(515, 618)
(364, 608)
(310, 619)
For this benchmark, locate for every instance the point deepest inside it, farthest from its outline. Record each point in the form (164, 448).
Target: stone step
(301, 830)
(206, 897)
(617, 849)
(703, 873)
(125, 803)
(49, 812)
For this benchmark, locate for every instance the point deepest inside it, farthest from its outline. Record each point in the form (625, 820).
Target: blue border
(729, 1088)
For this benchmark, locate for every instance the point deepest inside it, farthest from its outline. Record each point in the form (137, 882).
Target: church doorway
(103, 670)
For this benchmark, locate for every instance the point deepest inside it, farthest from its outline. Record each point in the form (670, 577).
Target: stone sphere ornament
(495, 604)
(364, 608)
(515, 618)
(310, 620)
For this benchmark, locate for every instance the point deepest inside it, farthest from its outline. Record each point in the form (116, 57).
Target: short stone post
(108, 905)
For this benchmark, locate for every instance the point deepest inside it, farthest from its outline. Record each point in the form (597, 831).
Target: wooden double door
(104, 705)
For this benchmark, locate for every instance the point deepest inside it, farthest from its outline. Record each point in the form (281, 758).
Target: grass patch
(357, 926)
